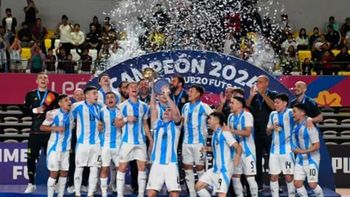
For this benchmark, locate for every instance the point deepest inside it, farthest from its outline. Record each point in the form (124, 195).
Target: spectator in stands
(25, 35)
(36, 62)
(3, 46)
(347, 39)
(333, 23)
(107, 25)
(328, 67)
(97, 25)
(343, 59)
(39, 33)
(64, 30)
(15, 56)
(306, 67)
(37, 103)
(302, 40)
(50, 62)
(61, 58)
(289, 42)
(30, 13)
(85, 62)
(333, 37)
(289, 61)
(345, 28)
(108, 35)
(93, 38)
(315, 35)
(77, 37)
(9, 23)
(69, 64)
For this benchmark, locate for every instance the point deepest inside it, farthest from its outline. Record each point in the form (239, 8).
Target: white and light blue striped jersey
(281, 139)
(134, 133)
(223, 152)
(303, 138)
(195, 122)
(166, 138)
(101, 99)
(111, 135)
(87, 122)
(239, 122)
(59, 141)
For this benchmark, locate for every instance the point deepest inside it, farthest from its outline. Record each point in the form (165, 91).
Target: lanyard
(39, 97)
(177, 101)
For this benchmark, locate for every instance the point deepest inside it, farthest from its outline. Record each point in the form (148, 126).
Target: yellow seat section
(26, 54)
(47, 43)
(50, 34)
(302, 55)
(335, 52)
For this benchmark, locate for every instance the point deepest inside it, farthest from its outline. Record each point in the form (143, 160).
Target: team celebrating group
(115, 126)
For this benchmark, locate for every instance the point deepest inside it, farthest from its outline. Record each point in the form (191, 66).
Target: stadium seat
(12, 108)
(335, 52)
(302, 55)
(75, 55)
(345, 122)
(25, 141)
(10, 119)
(330, 121)
(345, 133)
(327, 109)
(25, 130)
(344, 110)
(330, 133)
(11, 141)
(93, 54)
(345, 143)
(47, 43)
(26, 119)
(10, 130)
(50, 34)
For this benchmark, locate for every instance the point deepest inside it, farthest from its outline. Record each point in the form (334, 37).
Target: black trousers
(262, 147)
(36, 142)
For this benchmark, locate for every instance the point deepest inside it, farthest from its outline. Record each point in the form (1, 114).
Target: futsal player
(282, 158)
(166, 121)
(110, 140)
(195, 114)
(306, 145)
(227, 155)
(88, 150)
(104, 81)
(59, 123)
(240, 123)
(132, 119)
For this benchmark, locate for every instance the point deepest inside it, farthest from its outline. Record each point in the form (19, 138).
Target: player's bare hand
(222, 97)
(205, 149)
(299, 151)
(100, 126)
(131, 119)
(59, 129)
(236, 160)
(309, 123)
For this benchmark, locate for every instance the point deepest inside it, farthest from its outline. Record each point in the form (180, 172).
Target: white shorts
(191, 154)
(160, 174)
(58, 161)
(281, 163)
(108, 155)
(310, 171)
(88, 155)
(219, 181)
(129, 152)
(247, 166)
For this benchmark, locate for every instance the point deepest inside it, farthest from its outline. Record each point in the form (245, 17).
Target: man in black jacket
(37, 103)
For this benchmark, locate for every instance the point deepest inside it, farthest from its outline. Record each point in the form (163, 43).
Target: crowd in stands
(33, 48)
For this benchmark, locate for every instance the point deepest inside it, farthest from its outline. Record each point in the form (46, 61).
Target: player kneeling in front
(166, 121)
(305, 144)
(110, 139)
(59, 123)
(225, 157)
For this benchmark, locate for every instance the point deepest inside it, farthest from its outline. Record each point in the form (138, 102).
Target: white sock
(237, 186)
(78, 178)
(141, 180)
(61, 186)
(203, 193)
(120, 183)
(291, 189)
(253, 186)
(274, 187)
(318, 191)
(93, 178)
(190, 182)
(104, 185)
(51, 182)
(200, 173)
(302, 191)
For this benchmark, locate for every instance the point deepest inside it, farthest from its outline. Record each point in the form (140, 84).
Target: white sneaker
(30, 188)
(84, 188)
(70, 189)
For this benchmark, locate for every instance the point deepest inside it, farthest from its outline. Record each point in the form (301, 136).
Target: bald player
(312, 109)
(78, 95)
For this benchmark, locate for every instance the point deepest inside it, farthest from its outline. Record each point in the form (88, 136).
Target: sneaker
(70, 189)
(30, 188)
(84, 188)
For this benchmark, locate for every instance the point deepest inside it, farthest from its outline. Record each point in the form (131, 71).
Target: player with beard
(123, 90)
(144, 93)
(179, 94)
